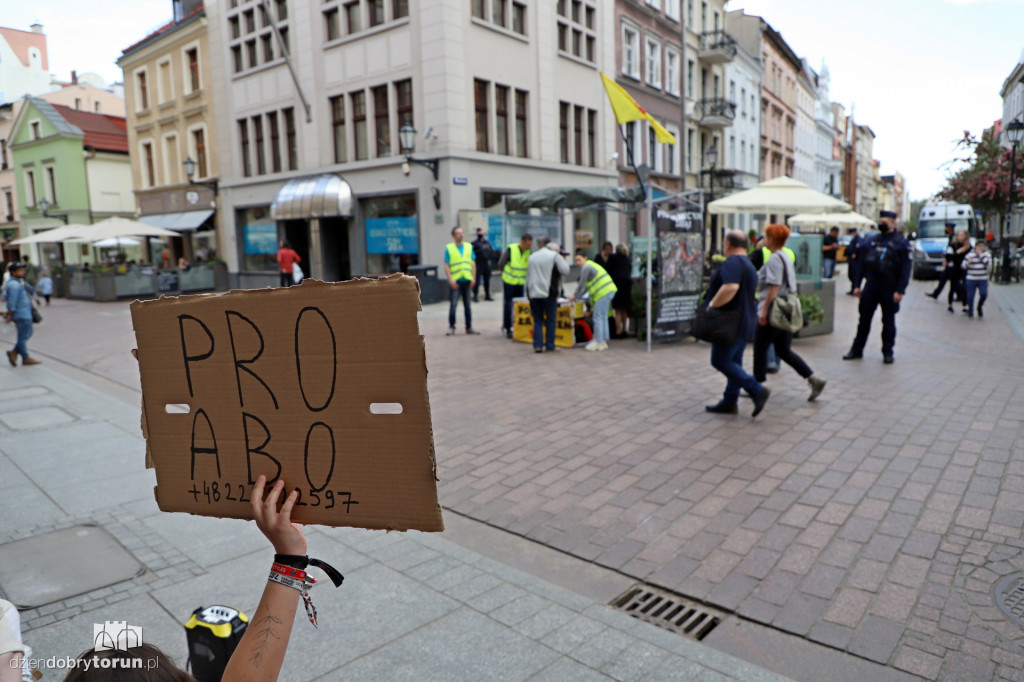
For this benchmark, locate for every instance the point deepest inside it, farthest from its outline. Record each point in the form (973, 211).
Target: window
(35, 129)
(275, 143)
(478, 8)
(672, 9)
(353, 17)
(332, 28)
(164, 82)
(359, 124)
(501, 118)
(257, 126)
(78, 103)
(148, 169)
(689, 14)
(578, 135)
(253, 45)
(51, 185)
(290, 140)
(338, 128)
(498, 12)
(199, 145)
(403, 96)
(480, 94)
(30, 183)
(689, 78)
(592, 137)
(142, 91)
(576, 31)
(243, 139)
(689, 150)
(671, 71)
(703, 17)
(96, 107)
(171, 161)
(381, 120)
(743, 101)
(630, 52)
(8, 206)
(654, 63)
(399, 9)
(3, 154)
(563, 131)
(519, 18)
(192, 63)
(654, 158)
(521, 103)
(376, 12)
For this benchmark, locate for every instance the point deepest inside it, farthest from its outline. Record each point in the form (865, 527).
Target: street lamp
(407, 140)
(190, 171)
(1014, 133)
(710, 159)
(44, 205)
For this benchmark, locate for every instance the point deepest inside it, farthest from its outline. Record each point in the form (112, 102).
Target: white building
(828, 164)
(1012, 94)
(805, 140)
(24, 68)
(743, 152)
(501, 103)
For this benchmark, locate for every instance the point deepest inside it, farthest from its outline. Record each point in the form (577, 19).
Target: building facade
(78, 163)
(312, 98)
(805, 138)
(828, 140)
(866, 172)
(24, 63)
(743, 149)
(170, 114)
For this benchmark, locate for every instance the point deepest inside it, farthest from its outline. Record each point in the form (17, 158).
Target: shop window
(259, 238)
(392, 233)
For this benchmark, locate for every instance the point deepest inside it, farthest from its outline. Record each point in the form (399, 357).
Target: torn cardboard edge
(284, 382)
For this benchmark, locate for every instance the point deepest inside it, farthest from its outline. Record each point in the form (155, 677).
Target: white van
(931, 240)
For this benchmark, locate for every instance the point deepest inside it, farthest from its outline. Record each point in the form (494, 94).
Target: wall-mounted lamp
(407, 140)
(190, 171)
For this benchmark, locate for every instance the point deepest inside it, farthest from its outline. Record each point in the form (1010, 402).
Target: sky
(917, 72)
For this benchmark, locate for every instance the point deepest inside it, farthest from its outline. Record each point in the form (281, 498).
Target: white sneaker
(593, 345)
(603, 346)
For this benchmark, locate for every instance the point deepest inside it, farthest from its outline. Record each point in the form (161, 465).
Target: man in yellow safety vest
(512, 264)
(599, 285)
(460, 268)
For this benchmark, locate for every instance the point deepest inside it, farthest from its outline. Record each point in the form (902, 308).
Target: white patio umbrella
(779, 195)
(115, 242)
(848, 219)
(53, 236)
(122, 227)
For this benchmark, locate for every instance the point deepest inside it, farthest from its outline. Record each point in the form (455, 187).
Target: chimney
(36, 28)
(74, 77)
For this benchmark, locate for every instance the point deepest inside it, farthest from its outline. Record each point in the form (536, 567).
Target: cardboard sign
(565, 326)
(323, 385)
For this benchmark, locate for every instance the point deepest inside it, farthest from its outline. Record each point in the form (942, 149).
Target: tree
(985, 182)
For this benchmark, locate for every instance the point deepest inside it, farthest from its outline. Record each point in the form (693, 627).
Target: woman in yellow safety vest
(599, 285)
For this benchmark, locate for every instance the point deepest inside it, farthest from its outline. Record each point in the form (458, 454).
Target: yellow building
(169, 103)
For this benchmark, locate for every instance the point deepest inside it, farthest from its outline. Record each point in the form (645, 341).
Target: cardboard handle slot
(386, 408)
(177, 408)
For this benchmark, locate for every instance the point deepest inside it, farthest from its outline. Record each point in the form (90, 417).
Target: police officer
(885, 262)
(853, 259)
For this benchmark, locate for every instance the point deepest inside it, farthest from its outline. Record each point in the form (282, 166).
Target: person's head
(622, 250)
(775, 236)
(981, 246)
(25, 258)
(542, 241)
(479, 233)
(457, 233)
(607, 248)
(834, 231)
(154, 666)
(950, 227)
(44, 273)
(962, 237)
(736, 242)
(284, 244)
(526, 241)
(580, 258)
(16, 269)
(853, 231)
(886, 221)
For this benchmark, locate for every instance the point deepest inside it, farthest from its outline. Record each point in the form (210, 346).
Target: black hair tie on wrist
(302, 562)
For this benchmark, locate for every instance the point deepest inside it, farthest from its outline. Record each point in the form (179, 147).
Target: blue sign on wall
(392, 235)
(261, 238)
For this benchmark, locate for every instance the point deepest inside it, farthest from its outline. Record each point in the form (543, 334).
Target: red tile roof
(102, 132)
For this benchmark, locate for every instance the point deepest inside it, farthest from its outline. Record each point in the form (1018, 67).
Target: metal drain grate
(1009, 596)
(667, 611)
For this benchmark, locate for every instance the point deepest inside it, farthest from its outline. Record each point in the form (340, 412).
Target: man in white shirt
(544, 272)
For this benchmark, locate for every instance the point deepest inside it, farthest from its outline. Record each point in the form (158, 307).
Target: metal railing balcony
(716, 47)
(716, 112)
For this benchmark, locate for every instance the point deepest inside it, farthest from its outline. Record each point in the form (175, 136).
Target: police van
(931, 239)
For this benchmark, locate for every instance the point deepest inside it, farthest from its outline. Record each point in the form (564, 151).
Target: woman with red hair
(778, 278)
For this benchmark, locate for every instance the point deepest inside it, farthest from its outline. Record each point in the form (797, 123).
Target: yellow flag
(626, 109)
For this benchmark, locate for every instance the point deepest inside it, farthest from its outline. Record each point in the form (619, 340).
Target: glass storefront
(259, 238)
(392, 233)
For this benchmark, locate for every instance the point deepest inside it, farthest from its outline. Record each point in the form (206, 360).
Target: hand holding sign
(286, 536)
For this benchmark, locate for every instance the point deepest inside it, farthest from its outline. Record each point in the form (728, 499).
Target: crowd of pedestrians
(967, 270)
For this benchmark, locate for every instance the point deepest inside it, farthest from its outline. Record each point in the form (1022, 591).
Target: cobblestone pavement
(875, 521)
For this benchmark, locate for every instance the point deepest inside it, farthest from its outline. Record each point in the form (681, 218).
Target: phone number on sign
(216, 491)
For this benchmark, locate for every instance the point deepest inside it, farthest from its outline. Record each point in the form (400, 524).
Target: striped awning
(319, 196)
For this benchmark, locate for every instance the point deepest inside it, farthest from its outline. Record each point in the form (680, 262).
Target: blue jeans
(830, 267)
(979, 285)
(24, 334)
(544, 311)
(729, 361)
(600, 317)
(453, 297)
